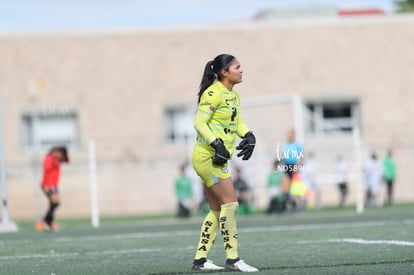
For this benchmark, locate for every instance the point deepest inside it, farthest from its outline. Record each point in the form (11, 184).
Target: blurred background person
(274, 186)
(389, 176)
(373, 177)
(184, 194)
(308, 173)
(292, 153)
(341, 179)
(199, 197)
(242, 192)
(299, 192)
(50, 184)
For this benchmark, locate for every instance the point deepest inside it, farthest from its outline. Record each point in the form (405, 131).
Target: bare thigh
(53, 197)
(220, 193)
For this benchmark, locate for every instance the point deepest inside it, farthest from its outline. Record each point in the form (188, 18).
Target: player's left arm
(242, 128)
(248, 142)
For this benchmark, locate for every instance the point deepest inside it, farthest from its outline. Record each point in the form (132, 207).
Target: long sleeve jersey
(218, 116)
(51, 172)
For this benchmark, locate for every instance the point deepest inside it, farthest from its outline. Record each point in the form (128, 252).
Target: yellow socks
(228, 229)
(208, 234)
(225, 221)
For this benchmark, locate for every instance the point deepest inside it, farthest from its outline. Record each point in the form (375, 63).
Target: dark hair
(63, 150)
(212, 71)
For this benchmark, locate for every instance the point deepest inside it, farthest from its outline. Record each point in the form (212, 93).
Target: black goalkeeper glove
(222, 155)
(246, 146)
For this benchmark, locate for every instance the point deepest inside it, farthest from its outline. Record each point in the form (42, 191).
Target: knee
(54, 199)
(232, 206)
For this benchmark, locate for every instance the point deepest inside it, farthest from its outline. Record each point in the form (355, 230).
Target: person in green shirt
(184, 193)
(274, 185)
(242, 192)
(389, 176)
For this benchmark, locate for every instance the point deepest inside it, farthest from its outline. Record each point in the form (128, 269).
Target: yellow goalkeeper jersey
(218, 116)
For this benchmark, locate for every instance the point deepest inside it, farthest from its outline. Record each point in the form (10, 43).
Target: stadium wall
(120, 83)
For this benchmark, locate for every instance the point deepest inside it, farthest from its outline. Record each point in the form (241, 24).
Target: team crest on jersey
(231, 102)
(224, 169)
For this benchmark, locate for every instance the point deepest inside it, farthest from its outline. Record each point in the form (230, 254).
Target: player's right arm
(209, 102)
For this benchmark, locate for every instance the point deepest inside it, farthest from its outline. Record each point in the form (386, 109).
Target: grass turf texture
(379, 241)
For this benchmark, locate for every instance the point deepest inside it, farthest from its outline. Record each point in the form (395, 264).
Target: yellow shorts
(209, 173)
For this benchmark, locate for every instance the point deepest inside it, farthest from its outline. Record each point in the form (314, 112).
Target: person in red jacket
(49, 185)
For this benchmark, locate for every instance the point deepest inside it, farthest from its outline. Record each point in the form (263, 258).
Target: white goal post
(6, 224)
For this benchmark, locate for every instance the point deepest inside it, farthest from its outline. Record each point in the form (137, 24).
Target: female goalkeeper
(218, 121)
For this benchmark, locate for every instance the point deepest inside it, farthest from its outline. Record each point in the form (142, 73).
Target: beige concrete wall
(120, 84)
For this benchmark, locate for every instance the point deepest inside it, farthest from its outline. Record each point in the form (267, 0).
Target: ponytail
(208, 78)
(212, 71)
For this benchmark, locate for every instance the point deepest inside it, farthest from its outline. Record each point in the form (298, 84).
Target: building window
(42, 130)
(332, 118)
(179, 125)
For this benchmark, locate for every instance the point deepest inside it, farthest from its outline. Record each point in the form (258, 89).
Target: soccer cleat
(207, 265)
(39, 225)
(43, 226)
(46, 227)
(54, 226)
(241, 266)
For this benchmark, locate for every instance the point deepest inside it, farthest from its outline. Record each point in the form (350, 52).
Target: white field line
(125, 236)
(178, 233)
(188, 233)
(362, 241)
(51, 254)
(34, 256)
(306, 227)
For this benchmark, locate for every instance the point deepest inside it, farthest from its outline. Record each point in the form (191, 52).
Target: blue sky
(60, 15)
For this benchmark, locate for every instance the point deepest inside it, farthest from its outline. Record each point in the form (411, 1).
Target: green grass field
(380, 241)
